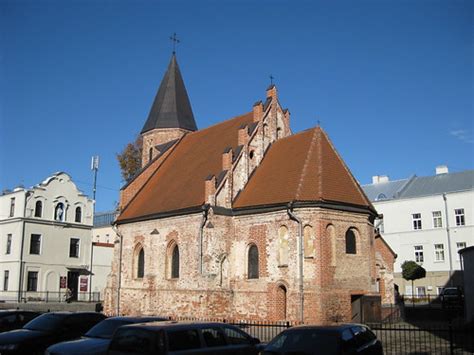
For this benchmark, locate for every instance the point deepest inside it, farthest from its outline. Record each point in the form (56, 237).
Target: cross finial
(271, 79)
(175, 40)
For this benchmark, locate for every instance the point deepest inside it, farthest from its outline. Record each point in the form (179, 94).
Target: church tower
(170, 116)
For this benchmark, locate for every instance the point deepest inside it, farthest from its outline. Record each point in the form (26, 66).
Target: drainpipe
(20, 276)
(205, 211)
(448, 233)
(119, 281)
(301, 257)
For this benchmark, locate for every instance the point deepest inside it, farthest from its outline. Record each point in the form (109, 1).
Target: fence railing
(47, 296)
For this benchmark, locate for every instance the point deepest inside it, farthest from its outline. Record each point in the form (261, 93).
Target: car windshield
(106, 328)
(305, 341)
(451, 291)
(46, 322)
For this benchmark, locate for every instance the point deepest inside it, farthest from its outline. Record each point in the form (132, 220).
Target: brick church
(243, 220)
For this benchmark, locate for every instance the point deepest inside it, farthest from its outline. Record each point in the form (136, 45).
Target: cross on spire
(271, 79)
(175, 40)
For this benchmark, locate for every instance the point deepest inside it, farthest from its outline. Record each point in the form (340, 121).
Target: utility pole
(95, 168)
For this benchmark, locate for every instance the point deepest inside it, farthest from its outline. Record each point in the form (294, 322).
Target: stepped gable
(178, 183)
(304, 167)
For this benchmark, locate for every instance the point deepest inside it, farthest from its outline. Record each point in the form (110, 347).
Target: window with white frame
(437, 220)
(416, 221)
(35, 244)
(12, 206)
(439, 252)
(459, 213)
(421, 291)
(6, 276)
(9, 244)
(74, 247)
(459, 246)
(419, 258)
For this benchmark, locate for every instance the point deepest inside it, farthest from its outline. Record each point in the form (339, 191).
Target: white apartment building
(45, 241)
(428, 220)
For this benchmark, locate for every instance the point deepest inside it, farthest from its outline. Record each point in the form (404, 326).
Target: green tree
(411, 271)
(130, 159)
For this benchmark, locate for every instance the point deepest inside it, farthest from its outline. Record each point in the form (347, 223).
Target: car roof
(138, 319)
(332, 327)
(4, 311)
(173, 324)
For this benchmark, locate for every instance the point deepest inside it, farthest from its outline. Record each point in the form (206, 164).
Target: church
(243, 220)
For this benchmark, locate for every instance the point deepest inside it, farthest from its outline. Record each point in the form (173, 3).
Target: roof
(171, 107)
(178, 183)
(302, 167)
(421, 186)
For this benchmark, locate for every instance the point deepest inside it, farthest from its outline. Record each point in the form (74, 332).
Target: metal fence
(47, 296)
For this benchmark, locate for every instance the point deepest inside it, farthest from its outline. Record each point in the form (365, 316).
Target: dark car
(96, 341)
(47, 329)
(15, 319)
(327, 340)
(451, 297)
(173, 338)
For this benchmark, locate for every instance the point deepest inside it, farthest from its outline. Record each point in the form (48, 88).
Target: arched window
(78, 215)
(38, 209)
(141, 264)
(59, 212)
(350, 242)
(331, 234)
(283, 246)
(278, 133)
(251, 154)
(309, 250)
(175, 263)
(150, 154)
(281, 302)
(253, 262)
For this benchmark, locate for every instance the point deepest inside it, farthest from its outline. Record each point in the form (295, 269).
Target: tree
(130, 159)
(411, 271)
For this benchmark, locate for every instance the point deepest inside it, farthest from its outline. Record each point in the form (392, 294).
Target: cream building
(45, 241)
(428, 220)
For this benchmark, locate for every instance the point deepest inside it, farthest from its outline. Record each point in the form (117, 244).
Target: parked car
(14, 319)
(47, 329)
(173, 338)
(327, 340)
(451, 297)
(96, 341)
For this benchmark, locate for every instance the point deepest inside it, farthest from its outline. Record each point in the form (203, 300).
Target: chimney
(243, 135)
(442, 169)
(227, 159)
(257, 111)
(377, 179)
(210, 189)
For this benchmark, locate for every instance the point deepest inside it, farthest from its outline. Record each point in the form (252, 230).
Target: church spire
(171, 107)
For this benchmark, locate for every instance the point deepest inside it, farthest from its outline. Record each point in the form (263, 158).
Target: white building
(45, 241)
(428, 220)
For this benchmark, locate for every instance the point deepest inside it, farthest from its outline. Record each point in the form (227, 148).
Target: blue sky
(390, 81)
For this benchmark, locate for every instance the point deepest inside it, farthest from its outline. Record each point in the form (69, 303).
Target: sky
(391, 82)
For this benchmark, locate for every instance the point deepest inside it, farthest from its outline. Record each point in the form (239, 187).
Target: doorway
(72, 282)
(356, 315)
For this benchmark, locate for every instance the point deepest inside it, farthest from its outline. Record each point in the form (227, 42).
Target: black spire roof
(171, 108)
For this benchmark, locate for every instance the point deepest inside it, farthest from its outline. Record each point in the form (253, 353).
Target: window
(437, 220)
(416, 221)
(9, 244)
(419, 253)
(253, 262)
(6, 275)
(32, 284)
(213, 337)
(350, 242)
(12, 206)
(309, 249)
(235, 336)
(439, 252)
(459, 213)
(421, 291)
(141, 264)
(175, 263)
(74, 248)
(59, 212)
(38, 209)
(150, 154)
(459, 246)
(35, 244)
(283, 246)
(78, 216)
(183, 340)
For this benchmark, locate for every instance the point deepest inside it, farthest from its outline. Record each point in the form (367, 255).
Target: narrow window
(74, 248)
(309, 250)
(59, 212)
(350, 242)
(32, 283)
(278, 133)
(6, 276)
(38, 209)
(35, 244)
(459, 212)
(416, 221)
(175, 263)
(439, 252)
(419, 258)
(437, 221)
(141, 264)
(9, 244)
(459, 246)
(283, 246)
(12, 206)
(78, 214)
(253, 262)
(150, 154)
